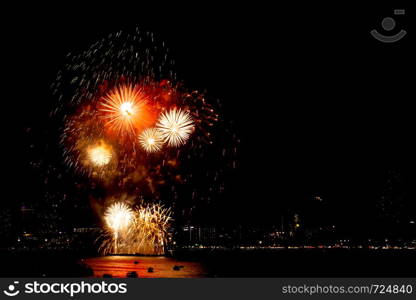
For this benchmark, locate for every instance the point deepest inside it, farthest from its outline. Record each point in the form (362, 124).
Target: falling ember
(151, 140)
(123, 108)
(175, 127)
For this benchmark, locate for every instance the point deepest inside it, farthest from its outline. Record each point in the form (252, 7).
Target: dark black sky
(320, 106)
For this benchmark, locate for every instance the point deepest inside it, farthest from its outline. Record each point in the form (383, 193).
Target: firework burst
(175, 126)
(120, 90)
(118, 219)
(124, 109)
(117, 102)
(150, 233)
(99, 155)
(151, 140)
(142, 231)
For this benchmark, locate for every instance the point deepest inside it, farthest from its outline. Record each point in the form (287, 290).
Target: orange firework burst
(125, 109)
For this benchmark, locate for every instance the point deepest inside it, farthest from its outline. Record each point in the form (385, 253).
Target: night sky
(320, 107)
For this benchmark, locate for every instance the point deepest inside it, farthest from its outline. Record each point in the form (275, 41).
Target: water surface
(163, 267)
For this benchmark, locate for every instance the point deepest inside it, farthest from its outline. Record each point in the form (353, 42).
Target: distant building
(86, 230)
(198, 235)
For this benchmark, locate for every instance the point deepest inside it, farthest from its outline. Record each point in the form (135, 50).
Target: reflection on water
(163, 267)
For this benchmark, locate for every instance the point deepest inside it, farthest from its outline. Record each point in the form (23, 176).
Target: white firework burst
(99, 156)
(175, 127)
(118, 217)
(151, 140)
